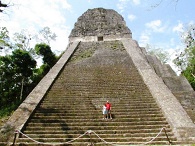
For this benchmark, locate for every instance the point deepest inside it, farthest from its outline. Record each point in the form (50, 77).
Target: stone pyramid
(102, 62)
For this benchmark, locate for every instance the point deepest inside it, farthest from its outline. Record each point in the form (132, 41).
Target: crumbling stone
(99, 22)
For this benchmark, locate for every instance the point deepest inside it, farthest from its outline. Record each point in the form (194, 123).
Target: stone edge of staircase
(24, 111)
(182, 125)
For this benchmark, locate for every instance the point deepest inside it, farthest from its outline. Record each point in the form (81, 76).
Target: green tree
(161, 54)
(185, 61)
(46, 35)
(44, 50)
(22, 40)
(24, 65)
(4, 39)
(2, 5)
(16, 70)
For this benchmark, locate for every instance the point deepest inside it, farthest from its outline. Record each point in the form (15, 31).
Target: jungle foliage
(185, 61)
(19, 72)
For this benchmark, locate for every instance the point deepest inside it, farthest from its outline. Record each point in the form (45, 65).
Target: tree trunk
(22, 89)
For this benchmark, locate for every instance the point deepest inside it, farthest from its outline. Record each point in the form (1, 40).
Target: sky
(157, 23)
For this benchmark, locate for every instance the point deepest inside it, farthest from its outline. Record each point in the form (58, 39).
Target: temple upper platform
(100, 24)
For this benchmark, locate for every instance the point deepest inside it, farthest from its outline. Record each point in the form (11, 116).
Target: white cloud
(62, 39)
(123, 0)
(178, 28)
(131, 17)
(144, 39)
(156, 26)
(34, 15)
(63, 3)
(136, 2)
(122, 4)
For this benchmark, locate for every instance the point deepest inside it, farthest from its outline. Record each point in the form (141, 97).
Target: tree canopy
(16, 70)
(185, 61)
(2, 5)
(19, 72)
(161, 54)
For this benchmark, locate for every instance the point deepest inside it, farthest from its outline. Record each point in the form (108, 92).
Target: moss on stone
(84, 54)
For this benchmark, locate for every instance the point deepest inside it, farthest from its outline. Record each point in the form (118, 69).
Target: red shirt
(108, 106)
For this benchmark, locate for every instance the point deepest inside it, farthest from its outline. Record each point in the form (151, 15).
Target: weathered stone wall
(99, 22)
(181, 123)
(110, 25)
(178, 85)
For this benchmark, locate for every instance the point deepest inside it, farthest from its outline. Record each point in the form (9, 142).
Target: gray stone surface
(178, 85)
(170, 106)
(101, 22)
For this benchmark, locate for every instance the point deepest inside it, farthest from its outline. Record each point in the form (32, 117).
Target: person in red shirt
(108, 108)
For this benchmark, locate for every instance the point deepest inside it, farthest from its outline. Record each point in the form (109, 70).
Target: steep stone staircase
(97, 72)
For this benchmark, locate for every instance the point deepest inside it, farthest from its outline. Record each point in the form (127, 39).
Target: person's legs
(104, 116)
(110, 114)
(107, 114)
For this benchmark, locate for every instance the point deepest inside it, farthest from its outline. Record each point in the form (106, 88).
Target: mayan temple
(151, 105)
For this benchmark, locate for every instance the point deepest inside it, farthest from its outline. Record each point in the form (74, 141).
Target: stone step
(132, 113)
(118, 114)
(100, 80)
(100, 94)
(77, 99)
(131, 140)
(115, 118)
(73, 105)
(108, 88)
(91, 107)
(94, 127)
(119, 111)
(102, 88)
(104, 123)
(171, 136)
(132, 131)
(127, 81)
(97, 144)
(115, 103)
(99, 86)
(103, 91)
(95, 119)
(135, 89)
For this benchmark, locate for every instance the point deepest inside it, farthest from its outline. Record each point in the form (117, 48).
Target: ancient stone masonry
(178, 85)
(100, 22)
